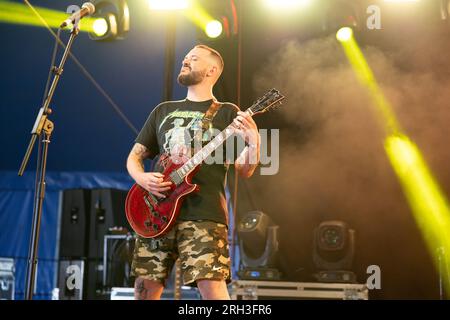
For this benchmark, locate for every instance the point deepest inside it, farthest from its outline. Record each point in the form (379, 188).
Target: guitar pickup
(148, 204)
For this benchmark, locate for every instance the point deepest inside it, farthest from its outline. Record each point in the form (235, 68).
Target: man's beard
(191, 78)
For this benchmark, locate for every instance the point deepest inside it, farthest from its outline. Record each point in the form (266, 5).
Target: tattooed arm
(151, 181)
(135, 161)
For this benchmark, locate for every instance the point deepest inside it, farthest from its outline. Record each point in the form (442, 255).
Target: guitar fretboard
(200, 156)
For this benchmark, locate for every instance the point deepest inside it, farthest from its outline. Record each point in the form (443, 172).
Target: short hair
(214, 52)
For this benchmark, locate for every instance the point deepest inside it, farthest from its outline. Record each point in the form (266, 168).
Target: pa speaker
(107, 210)
(95, 289)
(74, 223)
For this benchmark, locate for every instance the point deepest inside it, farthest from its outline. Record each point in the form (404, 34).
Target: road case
(253, 290)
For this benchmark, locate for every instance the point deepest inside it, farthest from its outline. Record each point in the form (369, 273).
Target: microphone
(86, 9)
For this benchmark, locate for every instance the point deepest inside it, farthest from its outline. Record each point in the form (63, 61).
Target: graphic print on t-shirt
(181, 128)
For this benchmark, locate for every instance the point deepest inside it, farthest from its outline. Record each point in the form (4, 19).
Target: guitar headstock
(271, 100)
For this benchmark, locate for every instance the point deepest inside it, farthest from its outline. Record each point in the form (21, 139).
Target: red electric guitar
(152, 217)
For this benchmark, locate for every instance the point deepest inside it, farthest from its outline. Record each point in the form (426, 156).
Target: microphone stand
(42, 129)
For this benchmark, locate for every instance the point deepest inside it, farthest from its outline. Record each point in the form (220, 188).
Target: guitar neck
(201, 156)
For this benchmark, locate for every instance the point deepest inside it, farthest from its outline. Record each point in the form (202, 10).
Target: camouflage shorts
(202, 247)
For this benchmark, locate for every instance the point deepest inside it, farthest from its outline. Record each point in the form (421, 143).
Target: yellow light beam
(17, 13)
(198, 16)
(366, 77)
(426, 199)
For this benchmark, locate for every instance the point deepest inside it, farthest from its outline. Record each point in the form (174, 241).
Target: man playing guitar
(199, 235)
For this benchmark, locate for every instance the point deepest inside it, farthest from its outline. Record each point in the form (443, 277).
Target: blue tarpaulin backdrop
(16, 206)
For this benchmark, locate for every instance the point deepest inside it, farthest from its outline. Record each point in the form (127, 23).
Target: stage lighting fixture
(344, 34)
(113, 20)
(213, 29)
(216, 20)
(258, 244)
(341, 13)
(100, 27)
(334, 247)
(105, 28)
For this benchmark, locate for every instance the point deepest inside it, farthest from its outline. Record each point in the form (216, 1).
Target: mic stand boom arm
(45, 126)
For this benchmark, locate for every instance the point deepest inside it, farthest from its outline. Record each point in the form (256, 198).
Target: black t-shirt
(171, 128)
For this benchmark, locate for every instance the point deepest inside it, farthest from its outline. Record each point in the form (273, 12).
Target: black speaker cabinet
(94, 284)
(107, 210)
(74, 223)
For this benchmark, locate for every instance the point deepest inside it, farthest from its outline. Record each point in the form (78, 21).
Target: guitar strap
(208, 118)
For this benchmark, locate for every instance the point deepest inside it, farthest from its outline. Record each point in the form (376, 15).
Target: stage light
(100, 27)
(213, 29)
(333, 251)
(258, 245)
(344, 34)
(342, 13)
(167, 5)
(105, 28)
(426, 199)
(287, 4)
(216, 20)
(112, 20)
